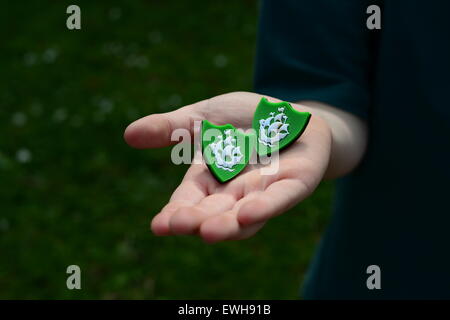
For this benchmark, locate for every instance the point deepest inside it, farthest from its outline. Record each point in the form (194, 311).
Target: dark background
(71, 190)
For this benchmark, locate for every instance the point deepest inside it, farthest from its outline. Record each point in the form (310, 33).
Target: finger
(246, 232)
(223, 198)
(160, 223)
(227, 227)
(155, 131)
(187, 219)
(276, 199)
(191, 191)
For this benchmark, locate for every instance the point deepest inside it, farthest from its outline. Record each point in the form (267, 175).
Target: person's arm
(331, 144)
(349, 136)
(321, 54)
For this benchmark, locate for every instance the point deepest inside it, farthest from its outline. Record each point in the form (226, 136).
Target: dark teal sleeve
(315, 50)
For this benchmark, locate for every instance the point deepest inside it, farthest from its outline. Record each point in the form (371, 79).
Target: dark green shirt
(393, 210)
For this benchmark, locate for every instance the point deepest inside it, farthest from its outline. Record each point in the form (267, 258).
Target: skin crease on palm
(331, 146)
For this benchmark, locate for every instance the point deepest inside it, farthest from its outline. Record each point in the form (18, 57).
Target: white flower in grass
(23, 155)
(50, 55)
(60, 115)
(19, 119)
(105, 105)
(136, 61)
(112, 48)
(220, 61)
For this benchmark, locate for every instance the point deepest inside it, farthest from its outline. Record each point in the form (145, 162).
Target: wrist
(348, 136)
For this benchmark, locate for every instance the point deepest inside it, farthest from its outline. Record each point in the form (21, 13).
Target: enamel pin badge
(227, 150)
(277, 125)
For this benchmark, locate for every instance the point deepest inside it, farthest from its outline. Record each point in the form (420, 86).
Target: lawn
(71, 190)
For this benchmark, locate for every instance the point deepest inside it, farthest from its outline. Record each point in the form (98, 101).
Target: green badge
(277, 125)
(226, 150)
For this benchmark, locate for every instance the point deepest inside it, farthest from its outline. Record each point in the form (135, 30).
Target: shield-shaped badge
(277, 125)
(225, 149)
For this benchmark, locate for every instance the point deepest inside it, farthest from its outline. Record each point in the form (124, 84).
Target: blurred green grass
(72, 192)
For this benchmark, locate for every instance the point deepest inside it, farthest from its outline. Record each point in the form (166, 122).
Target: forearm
(348, 137)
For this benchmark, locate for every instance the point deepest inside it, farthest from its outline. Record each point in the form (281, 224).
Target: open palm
(239, 208)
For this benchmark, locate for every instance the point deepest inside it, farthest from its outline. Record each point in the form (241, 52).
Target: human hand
(239, 208)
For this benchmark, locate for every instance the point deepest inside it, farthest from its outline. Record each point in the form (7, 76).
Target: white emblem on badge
(273, 129)
(226, 153)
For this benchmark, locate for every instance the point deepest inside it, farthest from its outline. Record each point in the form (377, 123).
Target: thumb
(155, 130)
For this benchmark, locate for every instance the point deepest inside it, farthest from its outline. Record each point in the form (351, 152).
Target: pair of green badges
(227, 150)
